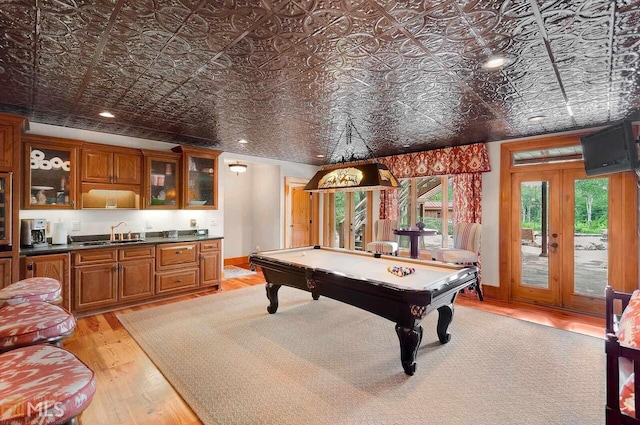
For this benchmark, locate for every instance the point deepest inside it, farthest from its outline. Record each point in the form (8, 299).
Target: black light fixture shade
(238, 168)
(351, 178)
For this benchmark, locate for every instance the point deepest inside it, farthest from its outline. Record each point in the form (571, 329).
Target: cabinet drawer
(94, 256)
(210, 246)
(145, 251)
(176, 255)
(174, 281)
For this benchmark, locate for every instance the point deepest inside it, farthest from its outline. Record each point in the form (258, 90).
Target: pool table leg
(409, 342)
(272, 295)
(445, 316)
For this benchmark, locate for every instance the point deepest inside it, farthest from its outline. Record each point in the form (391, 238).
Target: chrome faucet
(113, 236)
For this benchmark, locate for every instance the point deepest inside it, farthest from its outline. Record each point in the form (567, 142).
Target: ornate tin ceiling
(286, 74)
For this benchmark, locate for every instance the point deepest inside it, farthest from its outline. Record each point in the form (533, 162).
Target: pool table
(363, 280)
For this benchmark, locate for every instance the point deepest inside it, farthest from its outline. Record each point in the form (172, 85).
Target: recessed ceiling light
(495, 62)
(106, 114)
(242, 141)
(319, 156)
(537, 118)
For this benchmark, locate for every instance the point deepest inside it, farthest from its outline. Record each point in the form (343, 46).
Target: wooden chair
(385, 241)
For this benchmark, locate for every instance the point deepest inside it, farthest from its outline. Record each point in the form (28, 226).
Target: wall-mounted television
(610, 150)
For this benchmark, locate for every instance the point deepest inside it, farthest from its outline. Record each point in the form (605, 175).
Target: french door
(349, 214)
(566, 237)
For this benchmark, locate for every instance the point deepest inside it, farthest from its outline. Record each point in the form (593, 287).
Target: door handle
(553, 245)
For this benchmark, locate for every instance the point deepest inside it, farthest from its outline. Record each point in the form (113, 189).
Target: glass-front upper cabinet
(161, 180)
(199, 177)
(50, 178)
(5, 211)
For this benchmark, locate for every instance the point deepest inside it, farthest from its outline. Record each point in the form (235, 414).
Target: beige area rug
(324, 362)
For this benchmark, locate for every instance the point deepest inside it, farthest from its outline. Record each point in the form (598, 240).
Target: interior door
(560, 227)
(300, 217)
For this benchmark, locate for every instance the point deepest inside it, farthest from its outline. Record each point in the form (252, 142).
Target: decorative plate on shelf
(194, 202)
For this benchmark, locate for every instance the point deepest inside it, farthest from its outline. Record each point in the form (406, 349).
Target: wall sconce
(238, 168)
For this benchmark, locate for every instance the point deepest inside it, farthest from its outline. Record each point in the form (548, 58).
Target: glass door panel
(50, 178)
(591, 245)
(536, 230)
(162, 183)
(534, 211)
(359, 221)
(340, 233)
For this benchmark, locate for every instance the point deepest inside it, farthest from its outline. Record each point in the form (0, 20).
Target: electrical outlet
(213, 222)
(148, 225)
(193, 222)
(75, 226)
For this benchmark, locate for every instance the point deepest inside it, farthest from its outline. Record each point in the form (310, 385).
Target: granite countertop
(82, 244)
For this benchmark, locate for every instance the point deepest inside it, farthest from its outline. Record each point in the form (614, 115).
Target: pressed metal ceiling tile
(286, 74)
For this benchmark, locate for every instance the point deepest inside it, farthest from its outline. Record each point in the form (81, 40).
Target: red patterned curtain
(467, 200)
(469, 160)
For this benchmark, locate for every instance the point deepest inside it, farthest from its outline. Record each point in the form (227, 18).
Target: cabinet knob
(30, 266)
(178, 252)
(179, 281)
(115, 267)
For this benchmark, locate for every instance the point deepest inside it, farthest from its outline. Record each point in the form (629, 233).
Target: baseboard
(490, 291)
(235, 261)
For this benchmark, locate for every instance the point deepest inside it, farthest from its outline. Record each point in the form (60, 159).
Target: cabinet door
(127, 169)
(176, 280)
(5, 272)
(161, 182)
(136, 279)
(95, 286)
(5, 208)
(6, 144)
(199, 177)
(50, 178)
(210, 268)
(97, 166)
(55, 266)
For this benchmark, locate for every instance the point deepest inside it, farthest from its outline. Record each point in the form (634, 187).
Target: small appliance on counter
(59, 233)
(33, 232)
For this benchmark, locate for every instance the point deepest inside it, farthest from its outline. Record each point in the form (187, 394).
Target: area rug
(231, 272)
(325, 362)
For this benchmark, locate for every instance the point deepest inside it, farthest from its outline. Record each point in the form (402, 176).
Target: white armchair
(385, 241)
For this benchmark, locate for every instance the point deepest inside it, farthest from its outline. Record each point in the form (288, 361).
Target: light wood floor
(131, 390)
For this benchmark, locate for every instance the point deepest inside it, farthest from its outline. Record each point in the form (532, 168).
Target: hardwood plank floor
(131, 390)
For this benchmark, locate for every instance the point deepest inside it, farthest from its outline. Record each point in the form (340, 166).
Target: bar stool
(44, 384)
(33, 289)
(33, 323)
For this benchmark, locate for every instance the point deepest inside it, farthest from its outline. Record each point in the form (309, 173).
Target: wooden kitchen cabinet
(199, 177)
(109, 277)
(5, 272)
(161, 180)
(95, 286)
(55, 266)
(49, 172)
(210, 263)
(177, 255)
(107, 166)
(136, 270)
(10, 132)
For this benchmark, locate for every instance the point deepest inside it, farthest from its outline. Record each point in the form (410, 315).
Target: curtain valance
(454, 160)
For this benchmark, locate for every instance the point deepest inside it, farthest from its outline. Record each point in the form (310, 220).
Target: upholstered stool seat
(454, 255)
(33, 289)
(385, 241)
(33, 323)
(43, 384)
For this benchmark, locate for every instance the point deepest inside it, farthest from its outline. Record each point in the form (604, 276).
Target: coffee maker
(33, 232)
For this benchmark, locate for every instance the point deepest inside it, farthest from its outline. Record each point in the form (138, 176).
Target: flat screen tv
(610, 150)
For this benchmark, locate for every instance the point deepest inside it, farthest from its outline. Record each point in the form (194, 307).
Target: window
(423, 199)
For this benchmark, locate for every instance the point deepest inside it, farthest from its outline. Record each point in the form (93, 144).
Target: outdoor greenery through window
(422, 199)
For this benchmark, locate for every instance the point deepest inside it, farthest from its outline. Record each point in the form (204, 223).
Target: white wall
(250, 205)
(491, 218)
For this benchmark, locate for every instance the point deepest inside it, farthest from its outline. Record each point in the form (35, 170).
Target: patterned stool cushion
(43, 384)
(382, 247)
(32, 289)
(454, 255)
(33, 323)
